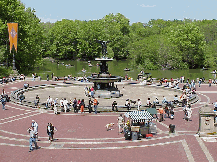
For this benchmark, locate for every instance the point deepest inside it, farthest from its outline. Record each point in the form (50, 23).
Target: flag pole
(14, 68)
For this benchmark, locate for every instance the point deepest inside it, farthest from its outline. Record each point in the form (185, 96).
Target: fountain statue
(104, 82)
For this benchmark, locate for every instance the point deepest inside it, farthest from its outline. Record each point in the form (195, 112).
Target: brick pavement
(84, 137)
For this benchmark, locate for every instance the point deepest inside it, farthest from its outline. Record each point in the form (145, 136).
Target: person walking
(50, 131)
(47, 77)
(32, 138)
(3, 101)
(37, 99)
(95, 105)
(35, 127)
(120, 124)
(189, 112)
(139, 104)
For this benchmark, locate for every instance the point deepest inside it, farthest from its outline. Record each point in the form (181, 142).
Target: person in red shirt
(161, 111)
(210, 82)
(171, 80)
(92, 91)
(95, 104)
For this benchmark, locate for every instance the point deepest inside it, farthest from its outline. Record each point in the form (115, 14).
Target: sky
(134, 10)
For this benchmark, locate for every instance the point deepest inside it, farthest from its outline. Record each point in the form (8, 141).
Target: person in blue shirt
(3, 101)
(164, 100)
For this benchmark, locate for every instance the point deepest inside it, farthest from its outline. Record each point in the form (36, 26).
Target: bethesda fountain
(103, 81)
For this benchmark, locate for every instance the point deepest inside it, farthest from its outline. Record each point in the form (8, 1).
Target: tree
(190, 42)
(30, 34)
(116, 29)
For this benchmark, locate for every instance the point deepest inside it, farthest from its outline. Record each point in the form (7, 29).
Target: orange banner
(13, 35)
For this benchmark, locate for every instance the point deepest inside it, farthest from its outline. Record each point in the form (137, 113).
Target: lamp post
(13, 63)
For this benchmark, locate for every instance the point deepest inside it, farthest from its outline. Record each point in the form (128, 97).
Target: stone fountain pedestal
(207, 122)
(104, 82)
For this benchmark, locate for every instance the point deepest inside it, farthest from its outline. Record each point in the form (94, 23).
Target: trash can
(172, 128)
(135, 136)
(127, 134)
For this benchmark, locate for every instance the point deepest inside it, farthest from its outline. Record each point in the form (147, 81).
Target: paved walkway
(83, 137)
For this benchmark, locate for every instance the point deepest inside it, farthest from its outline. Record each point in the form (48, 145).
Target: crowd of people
(166, 109)
(66, 106)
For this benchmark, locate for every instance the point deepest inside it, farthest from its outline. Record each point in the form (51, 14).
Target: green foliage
(30, 35)
(71, 39)
(158, 44)
(190, 42)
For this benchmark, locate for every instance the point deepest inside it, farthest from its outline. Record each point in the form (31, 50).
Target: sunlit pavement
(83, 137)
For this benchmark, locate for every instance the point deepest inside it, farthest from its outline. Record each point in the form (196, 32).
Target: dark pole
(7, 53)
(14, 68)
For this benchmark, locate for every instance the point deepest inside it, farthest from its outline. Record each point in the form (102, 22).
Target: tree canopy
(30, 35)
(157, 44)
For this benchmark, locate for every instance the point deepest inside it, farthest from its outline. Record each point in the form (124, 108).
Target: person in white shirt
(149, 102)
(128, 104)
(35, 128)
(157, 101)
(33, 77)
(61, 102)
(49, 102)
(55, 106)
(120, 124)
(164, 100)
(139, 104)
(65, 104)
(32, 139)
(189, 112)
